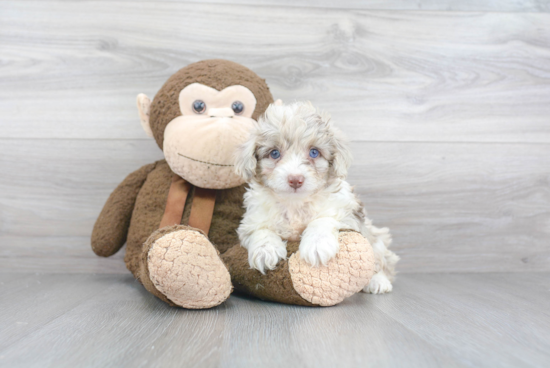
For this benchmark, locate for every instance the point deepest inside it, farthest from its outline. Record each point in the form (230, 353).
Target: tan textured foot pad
(344, 275)
(186, 268)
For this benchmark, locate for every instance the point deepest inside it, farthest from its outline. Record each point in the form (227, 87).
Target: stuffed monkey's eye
(275, 154)
(313, 153)
(237, 107)
(199, 106)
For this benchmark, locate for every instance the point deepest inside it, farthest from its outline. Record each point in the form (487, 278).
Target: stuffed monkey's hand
(265, 250)
(319, 242)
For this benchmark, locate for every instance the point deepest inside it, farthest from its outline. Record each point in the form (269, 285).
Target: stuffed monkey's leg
(180, 266)
(294, 281)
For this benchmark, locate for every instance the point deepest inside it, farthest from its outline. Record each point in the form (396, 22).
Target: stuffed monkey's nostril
(296, 181)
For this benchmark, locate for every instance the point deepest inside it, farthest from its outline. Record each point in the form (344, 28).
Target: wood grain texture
(73, 69)
(438, 5)
(462, 313)
(447, 103)
(54, 295)
(441, 320)
(449, 113)
(451, 207)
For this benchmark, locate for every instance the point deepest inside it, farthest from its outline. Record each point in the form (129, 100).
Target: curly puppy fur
(296, 163)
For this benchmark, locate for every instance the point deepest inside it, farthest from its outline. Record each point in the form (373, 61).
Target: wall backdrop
(446, 103)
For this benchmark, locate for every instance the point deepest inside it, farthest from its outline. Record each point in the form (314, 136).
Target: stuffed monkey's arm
(111, 228)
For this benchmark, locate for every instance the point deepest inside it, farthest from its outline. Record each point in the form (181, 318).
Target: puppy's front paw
(266, 256)
(318, 248)
(379, 284)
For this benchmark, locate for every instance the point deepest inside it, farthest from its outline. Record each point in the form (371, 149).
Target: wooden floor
(436, 320)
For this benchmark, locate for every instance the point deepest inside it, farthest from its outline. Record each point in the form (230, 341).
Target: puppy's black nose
(296, 181)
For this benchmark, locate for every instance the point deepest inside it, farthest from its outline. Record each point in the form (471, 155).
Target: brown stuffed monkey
(179, 216)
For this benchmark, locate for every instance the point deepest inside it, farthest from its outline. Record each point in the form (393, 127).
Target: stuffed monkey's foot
(186, 268)
(344, 275)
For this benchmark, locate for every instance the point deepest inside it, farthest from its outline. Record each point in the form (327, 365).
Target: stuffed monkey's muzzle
(200, 148)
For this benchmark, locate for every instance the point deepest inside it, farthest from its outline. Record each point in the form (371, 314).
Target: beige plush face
(199, 145)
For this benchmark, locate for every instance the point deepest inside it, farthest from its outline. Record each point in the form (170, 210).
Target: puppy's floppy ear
(245, 159)
(342, 157)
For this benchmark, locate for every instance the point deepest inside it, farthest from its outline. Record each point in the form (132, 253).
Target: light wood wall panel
(451, 207)
(438, 5)
(533, 6)
(448, 111)
(73, 69)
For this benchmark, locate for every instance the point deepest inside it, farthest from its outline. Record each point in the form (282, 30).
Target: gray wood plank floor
(438, 320)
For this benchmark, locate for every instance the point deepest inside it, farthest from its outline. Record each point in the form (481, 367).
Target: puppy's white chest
(295, 222)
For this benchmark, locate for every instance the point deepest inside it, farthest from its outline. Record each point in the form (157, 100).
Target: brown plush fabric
(135, 209)
(111, 228)
(150, 205)
(216, 73)
(274, 286)
(148, 211)
(228, 210)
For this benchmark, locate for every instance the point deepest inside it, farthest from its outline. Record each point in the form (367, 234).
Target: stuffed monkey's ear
(278, 102)
(245, 159)
(144, 107)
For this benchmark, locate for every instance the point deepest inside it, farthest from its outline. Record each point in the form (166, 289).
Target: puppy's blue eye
(313, 153)
(275, 154)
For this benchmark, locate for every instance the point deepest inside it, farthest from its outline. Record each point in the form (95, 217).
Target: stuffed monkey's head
(201, 115)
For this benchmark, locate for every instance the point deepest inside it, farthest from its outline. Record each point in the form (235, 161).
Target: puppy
(296, 163)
